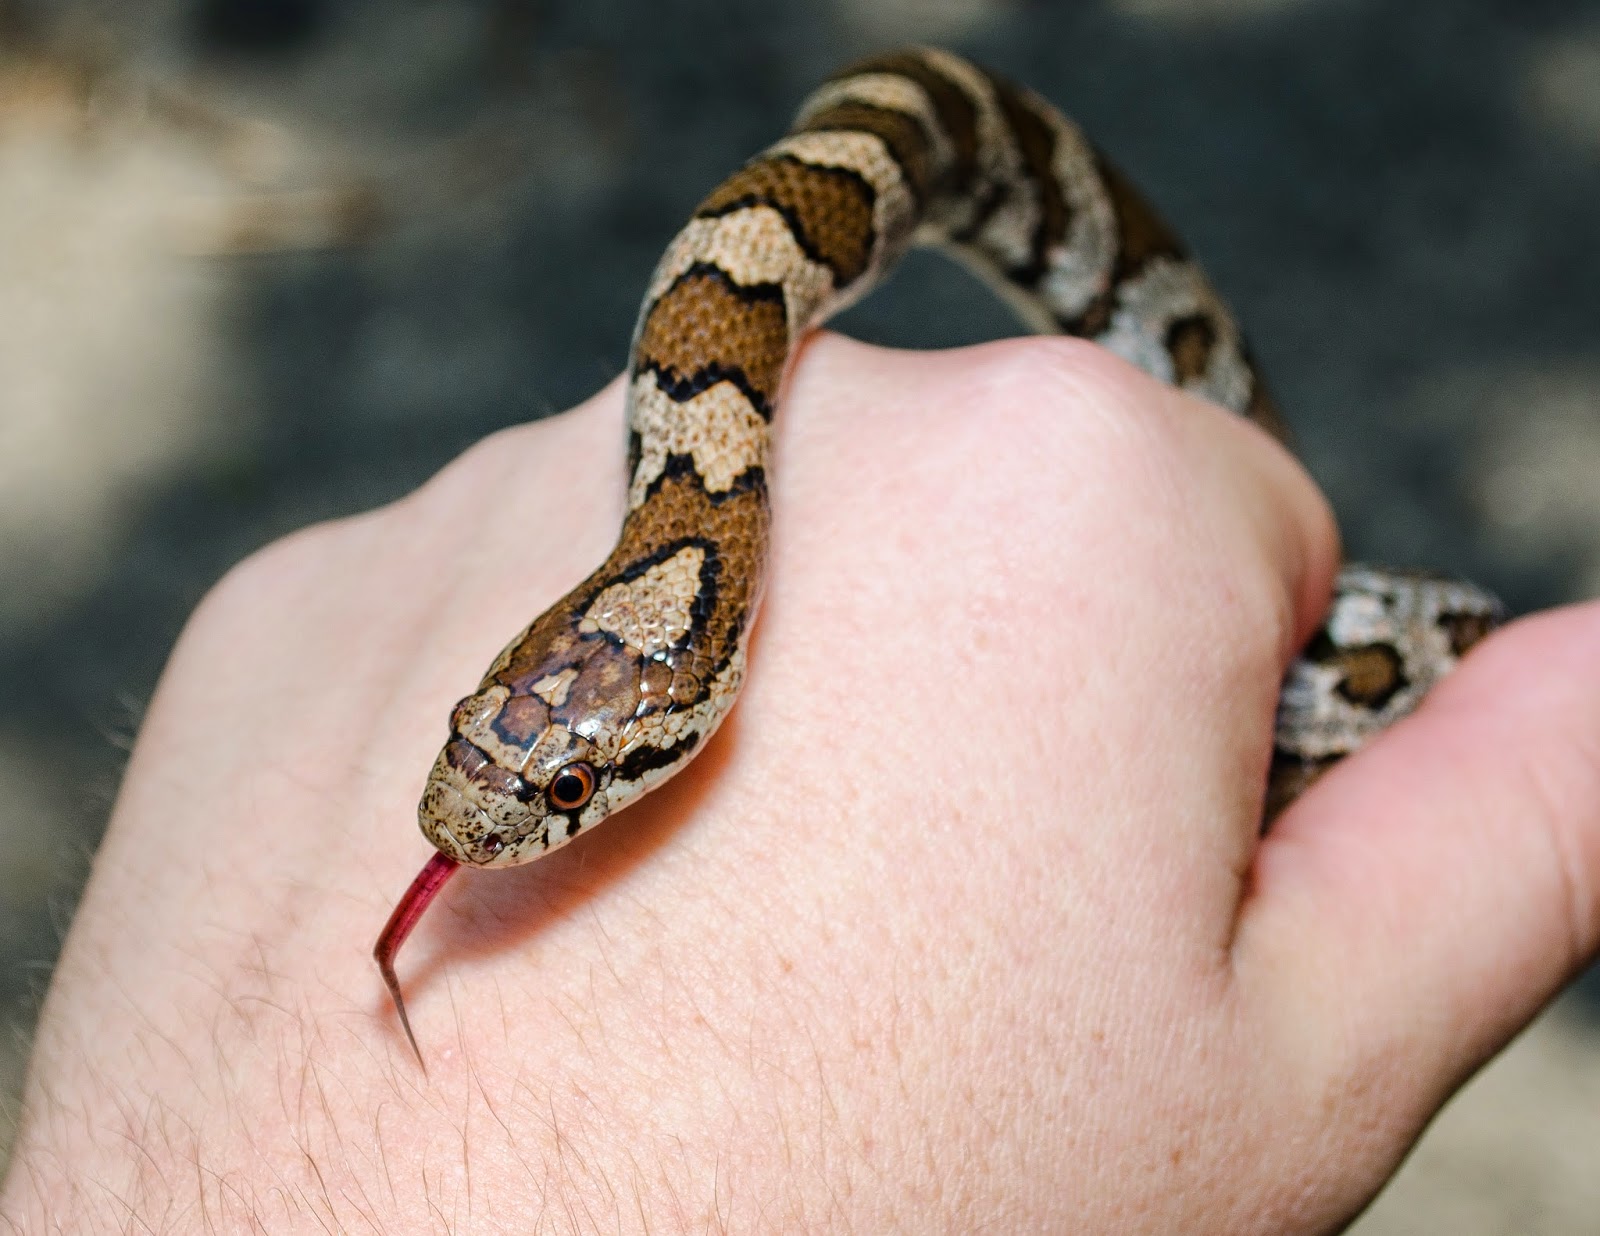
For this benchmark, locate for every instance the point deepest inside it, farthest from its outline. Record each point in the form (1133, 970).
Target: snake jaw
(458, 826)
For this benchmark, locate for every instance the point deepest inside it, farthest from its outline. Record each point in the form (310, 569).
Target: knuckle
(1142, 478)
(1063, 413)
(1046, 384)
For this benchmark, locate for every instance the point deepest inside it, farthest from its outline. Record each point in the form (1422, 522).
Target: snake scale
(617, 686)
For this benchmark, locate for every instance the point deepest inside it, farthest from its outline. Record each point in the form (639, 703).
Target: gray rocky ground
(261, 264)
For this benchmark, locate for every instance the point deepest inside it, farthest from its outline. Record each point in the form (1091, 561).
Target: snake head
(500, 799)
(512, 782)
(555, 739)
(606, 695)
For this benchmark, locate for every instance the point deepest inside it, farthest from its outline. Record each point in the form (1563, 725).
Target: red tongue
(423, 889)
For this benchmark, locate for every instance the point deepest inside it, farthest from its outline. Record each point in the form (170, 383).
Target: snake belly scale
(614, 688)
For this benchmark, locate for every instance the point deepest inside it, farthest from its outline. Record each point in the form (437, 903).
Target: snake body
(619, 684)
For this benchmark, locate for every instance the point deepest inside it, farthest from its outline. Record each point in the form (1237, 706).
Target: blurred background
(264, 262)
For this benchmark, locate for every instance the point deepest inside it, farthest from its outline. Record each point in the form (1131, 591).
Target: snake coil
(616, 687)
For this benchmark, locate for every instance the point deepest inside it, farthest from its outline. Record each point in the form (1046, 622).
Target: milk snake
(616, 687)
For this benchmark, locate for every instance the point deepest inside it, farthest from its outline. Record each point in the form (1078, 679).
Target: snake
(618, 685)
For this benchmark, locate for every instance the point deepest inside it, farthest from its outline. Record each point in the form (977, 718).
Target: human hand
(961, 923)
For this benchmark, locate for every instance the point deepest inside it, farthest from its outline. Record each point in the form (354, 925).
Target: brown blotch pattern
(1037, 142)
(900, 133)
(1141, 232)
(1466, 630)
(523, 717)
(830, 209)
(679, 511)
(1369, 675)
(705, 324)
(955, 110)
(1190, 340)
(1096, 319)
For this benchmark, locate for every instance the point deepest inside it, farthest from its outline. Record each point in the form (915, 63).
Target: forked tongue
(423, 889)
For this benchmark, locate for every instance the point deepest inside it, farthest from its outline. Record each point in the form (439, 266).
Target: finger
(1420, 904)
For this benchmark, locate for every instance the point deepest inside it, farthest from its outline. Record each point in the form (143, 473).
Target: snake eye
(573, 786)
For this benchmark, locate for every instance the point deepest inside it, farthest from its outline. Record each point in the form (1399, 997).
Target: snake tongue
(423, 889)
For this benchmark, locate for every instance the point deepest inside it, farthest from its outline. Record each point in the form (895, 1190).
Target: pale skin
(960, 925)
